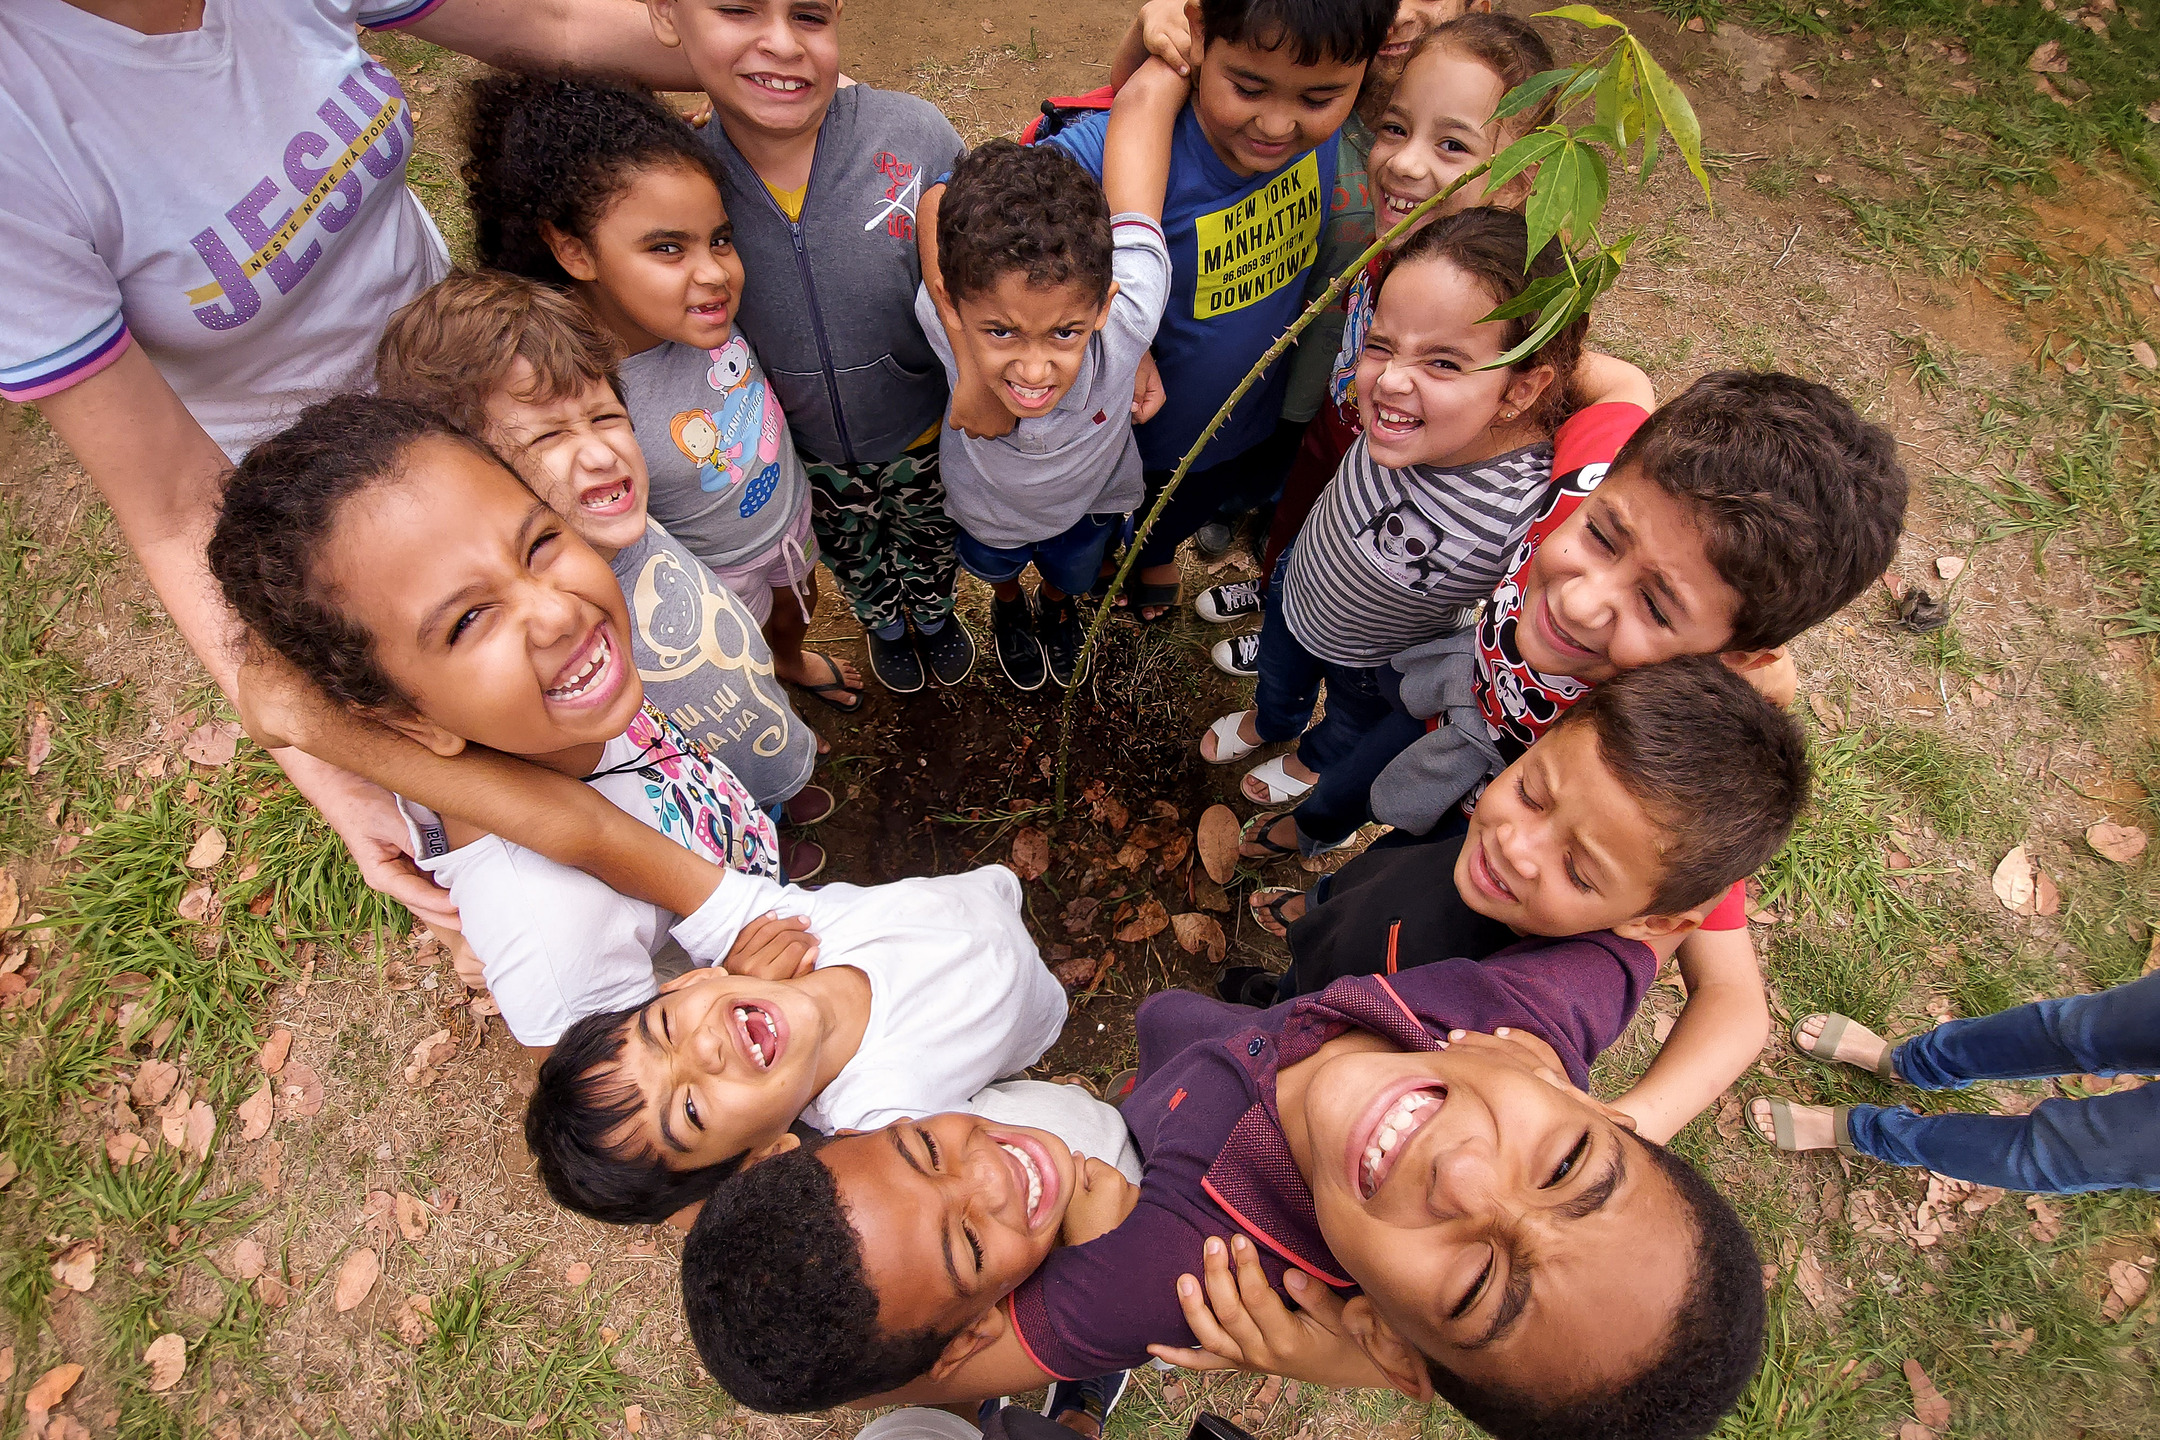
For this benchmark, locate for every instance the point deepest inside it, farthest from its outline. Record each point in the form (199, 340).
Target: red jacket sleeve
(1595, 435)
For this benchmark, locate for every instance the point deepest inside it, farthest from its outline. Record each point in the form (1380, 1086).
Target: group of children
(548, 584)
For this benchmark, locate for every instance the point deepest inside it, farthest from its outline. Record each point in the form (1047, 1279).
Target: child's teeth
(576, 684)
(1027, 1164)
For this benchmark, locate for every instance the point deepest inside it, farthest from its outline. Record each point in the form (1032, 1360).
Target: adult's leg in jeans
(2104, 1143)
(848, 520)
(1355, 705)
(1342, 801)
(919, 536)
(2114, 1032)
(1289, 676)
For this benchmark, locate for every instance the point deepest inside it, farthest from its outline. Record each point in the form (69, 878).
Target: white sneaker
(1239, 656)
(1220, 604)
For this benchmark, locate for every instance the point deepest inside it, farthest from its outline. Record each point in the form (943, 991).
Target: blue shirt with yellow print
(1240, 249)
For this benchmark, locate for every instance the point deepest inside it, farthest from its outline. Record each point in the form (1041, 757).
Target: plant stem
(1177, 476)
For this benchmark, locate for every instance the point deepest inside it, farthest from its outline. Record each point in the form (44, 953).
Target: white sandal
(1282, 787)
(1230, 746)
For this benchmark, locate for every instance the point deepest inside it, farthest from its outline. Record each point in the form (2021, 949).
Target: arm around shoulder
(1720, 1031)
(1136, 147)
(1604, 379)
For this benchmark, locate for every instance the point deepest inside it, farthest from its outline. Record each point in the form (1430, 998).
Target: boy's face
(1028, 340)
(1513, 1230)
(1438, 125)
(1414, 20)
(770, 66)
(1557, 846)
(1260, 109)
(1625, 582)
(725, 1064)
(1424, 396)
(502, 627)
(661, 263)
(577, 452)
(953, 1212)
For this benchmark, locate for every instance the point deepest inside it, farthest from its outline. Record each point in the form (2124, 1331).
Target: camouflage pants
(886, 537)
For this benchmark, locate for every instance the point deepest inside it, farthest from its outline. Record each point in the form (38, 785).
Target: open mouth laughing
(761, 1033)
(1385, 1138)
(786, 86)
(611, 498)
(1392, 424)
(591, 677)
(1034, 1174)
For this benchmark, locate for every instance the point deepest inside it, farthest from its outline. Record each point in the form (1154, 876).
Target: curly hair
(1030, 208)
(281, 505)
(1492, 247)
(579, 1103)
(1721, 770)
(1708, 1358)
(1800, 501)
(779, 1306)
(561, 151)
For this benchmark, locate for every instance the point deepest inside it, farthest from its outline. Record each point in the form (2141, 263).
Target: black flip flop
(1256, 833)
(1140, 594)
(836, 685)
(1283, 895)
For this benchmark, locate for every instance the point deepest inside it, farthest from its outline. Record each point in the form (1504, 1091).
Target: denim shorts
(1068, 561)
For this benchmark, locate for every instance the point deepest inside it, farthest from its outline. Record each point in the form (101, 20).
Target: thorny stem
(1177, 476)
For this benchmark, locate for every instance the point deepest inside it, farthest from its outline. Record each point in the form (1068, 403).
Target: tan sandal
(1824, 1046)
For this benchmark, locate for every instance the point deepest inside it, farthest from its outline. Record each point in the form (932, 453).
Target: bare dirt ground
(2025, 721)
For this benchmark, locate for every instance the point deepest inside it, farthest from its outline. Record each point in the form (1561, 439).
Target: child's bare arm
(568, 822)
(1136, 148)
(1105, 1199)
(1600, 379)
(975, 410)
(1719, 1033)
(1166, 29)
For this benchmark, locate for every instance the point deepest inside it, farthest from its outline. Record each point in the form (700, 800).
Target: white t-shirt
(959, 995)
(1066, 1111)
(232, 198)
(557, 944)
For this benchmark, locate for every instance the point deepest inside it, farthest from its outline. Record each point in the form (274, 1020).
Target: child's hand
(279, 707)
(1103, 1201)
(1776, 679)
(1242, 1324)
(976, 412)
(470, 972)
(772, 947)
(1147, 390)
(1171, 31)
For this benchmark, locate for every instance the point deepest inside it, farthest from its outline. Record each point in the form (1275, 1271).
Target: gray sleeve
(933, 330)
(1140, 263)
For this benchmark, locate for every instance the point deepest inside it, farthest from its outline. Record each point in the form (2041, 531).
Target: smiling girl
(599, 188)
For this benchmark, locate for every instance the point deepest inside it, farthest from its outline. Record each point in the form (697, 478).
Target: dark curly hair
(1030, 208)
(579, 1103)
(779, 1307)
(1800, 501)
(1709, 1356)
(280, 506)
(1722, 771)
(561, 150)
(1492, 247)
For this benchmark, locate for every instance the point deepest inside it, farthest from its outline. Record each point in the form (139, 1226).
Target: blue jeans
(1333, 809)
(2103, 1143)
(1289, 686)
(1068, 560)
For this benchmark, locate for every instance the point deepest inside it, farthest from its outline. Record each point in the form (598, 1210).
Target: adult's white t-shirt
(232, 199)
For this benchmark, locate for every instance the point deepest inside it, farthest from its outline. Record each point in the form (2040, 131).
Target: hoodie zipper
(817, 315)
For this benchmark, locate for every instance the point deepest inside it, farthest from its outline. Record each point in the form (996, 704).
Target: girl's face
(770, 66)
(502, 627)
(1438, 126)
(661, 263)
(1422, 396)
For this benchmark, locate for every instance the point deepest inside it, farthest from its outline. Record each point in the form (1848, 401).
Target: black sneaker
(1058, 622)
(1094, 1398)
(1012, 635)
(1221, 604)
(1238, 656)
(1213, 539)
(895, 662)
(951, 651)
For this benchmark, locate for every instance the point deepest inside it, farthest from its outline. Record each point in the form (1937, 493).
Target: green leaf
(1520, 156)
(1534, 298)
(1526, 95)
(1581, 15)
(1564, 309)
(1585, 81)
(1673, 108)
(1596, 135)
(1568, 196)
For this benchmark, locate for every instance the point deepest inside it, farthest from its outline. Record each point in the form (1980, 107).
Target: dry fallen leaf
(1828, 711)
(208, 849)
(2127, 1284)
(1107, 808)
(274, 1051)
(633, 1419)
(1808, 1275)
(76, 1266)
(248, 1259)
(411, 1320)
(7, 1364)
(1930, 1407)
(2048, 60)
(1661, 1028)
(1197, 932)
(2047, 1219)
(426, 1055)
(2013, 882)
(167, 1358)
(2139, 350)
(299, 1093)
(1950, 567)
(1799, 84)
(2120, 843)
(39, 748)
(125, 1148)
(356, 1277)
(2047, 900)
(1030, 853)
(254, 1114)
(1080, 914)
(195, 904)
(10, 899)
(412, 1216)
(153, 1082)
(198, 1128)
(212, 744)
(1218, 841)
(577, 1274)
(272, 1292)
(1151, 919)
(51, 1388)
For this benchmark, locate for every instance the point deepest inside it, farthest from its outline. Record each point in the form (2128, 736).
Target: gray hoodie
(829, 300)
